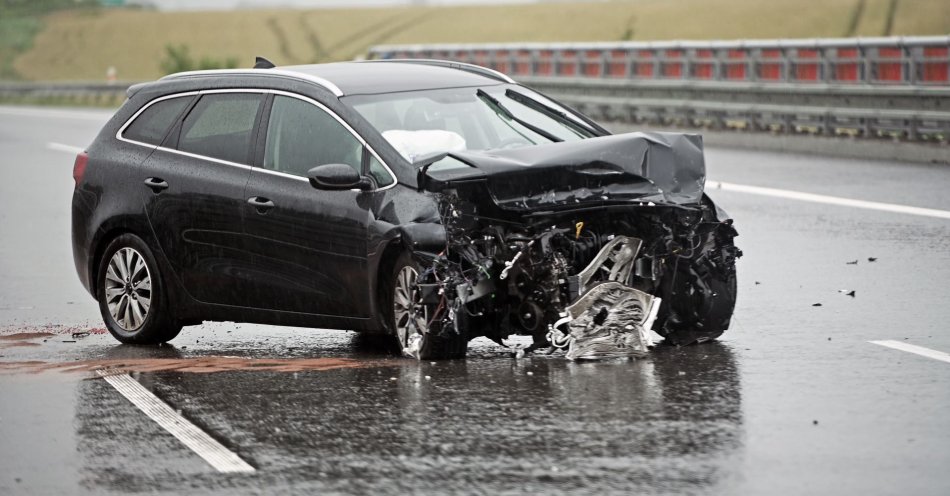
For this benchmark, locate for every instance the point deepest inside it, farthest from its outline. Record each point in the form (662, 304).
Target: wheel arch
(106, 234)
(409, 238)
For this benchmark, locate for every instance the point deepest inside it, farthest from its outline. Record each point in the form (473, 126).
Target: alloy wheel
(128, 288)
(410, 320)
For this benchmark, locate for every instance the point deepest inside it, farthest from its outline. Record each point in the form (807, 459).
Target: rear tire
(131, 294)
(409, 317)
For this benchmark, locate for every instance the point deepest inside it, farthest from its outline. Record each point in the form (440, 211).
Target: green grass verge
(16, 37)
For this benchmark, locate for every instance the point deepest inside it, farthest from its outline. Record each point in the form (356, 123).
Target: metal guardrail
(886, 61)
(70, 93)
(911, 109)
(868, 88)
(912, 114)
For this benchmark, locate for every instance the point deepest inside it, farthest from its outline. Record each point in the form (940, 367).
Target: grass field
(82, 45)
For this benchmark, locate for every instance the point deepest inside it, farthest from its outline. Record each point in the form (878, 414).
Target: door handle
(156, 184)
(261, 204)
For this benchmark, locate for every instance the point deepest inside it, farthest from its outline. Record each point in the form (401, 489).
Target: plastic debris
(853, 262)
(847, 292)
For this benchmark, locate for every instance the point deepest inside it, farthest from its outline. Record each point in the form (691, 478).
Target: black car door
(194, 193)
(309, 245)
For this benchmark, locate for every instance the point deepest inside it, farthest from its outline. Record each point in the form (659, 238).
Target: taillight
(79, 167)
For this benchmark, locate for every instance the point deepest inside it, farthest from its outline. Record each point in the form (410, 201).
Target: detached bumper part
(609, 321)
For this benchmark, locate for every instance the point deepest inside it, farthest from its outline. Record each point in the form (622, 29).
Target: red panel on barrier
(770, 71)
(806, 71)
(936, 71)
(544, 63)
(617, 67)
(481, 57)
(672, 68)
(523, 62)
(593, 62)
(844, 70)
(501, 61)
(890, 68)
(567, 66)
(703, 70)
(735, 70)
(644, 64)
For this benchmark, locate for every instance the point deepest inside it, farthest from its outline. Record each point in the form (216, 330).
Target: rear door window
(153, 123)
(220, 126)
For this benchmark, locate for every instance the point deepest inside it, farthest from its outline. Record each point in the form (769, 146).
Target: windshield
(421, 123)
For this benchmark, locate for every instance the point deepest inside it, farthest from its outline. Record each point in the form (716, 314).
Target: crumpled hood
(664, 168)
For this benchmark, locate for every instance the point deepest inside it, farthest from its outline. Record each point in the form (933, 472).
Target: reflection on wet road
(534, 425)
(795, 399)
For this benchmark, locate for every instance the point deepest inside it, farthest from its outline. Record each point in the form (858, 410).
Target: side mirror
(336, 177)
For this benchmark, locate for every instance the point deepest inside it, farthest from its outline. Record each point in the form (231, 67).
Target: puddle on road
(198, 365)
(33, 337)
(22, 339)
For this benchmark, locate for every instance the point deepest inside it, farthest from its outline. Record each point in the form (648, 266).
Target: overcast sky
(232, 4)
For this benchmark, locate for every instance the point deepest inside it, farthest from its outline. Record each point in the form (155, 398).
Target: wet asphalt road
(792, 400)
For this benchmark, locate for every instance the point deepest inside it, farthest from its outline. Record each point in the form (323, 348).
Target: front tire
(418, 334)
(701, 294)
(131, 294)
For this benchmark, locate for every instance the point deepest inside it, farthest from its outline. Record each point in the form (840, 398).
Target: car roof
(391, 76)
(372, 77)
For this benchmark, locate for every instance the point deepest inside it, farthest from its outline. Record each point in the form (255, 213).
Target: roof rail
(257, 72)
(462, 66)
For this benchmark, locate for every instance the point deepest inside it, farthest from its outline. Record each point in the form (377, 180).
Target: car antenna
(262, 63)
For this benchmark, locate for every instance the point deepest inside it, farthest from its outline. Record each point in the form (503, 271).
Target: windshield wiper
(551, 112)
(504, 112)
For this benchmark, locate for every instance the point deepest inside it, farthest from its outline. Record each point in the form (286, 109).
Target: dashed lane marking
(222, 459)
(65, 148)
(828, 200)
(917, 350)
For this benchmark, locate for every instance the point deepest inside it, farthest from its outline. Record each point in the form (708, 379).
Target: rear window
(153, 123)
(220, 125)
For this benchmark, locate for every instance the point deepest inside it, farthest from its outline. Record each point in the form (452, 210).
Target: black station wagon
(433, 201)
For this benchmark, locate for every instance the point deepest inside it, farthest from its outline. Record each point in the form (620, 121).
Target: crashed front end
(586, 246)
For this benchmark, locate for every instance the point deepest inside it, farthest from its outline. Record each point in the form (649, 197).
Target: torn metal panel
(614, 263)
(610, 321)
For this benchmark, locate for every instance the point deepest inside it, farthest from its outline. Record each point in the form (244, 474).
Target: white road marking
(55, 114)
(189, 434)
(918, 350)
(828, 200)
(75, 150)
